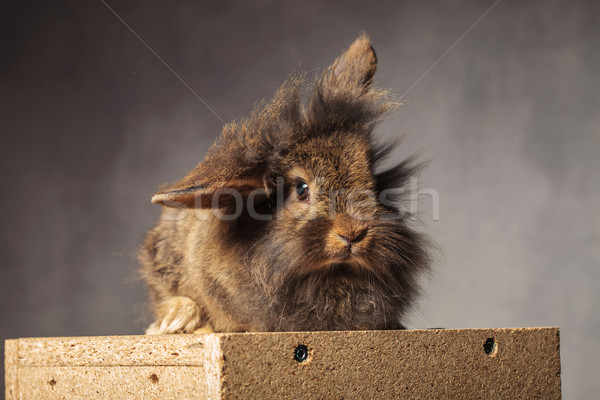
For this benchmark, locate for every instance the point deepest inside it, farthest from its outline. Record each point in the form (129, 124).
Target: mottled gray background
(92, 123)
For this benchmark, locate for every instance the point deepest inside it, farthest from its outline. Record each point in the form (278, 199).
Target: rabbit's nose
(352, 237)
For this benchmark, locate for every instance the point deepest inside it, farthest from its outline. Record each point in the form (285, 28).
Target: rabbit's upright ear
(353, 69)
(343, 98)
(200, 190)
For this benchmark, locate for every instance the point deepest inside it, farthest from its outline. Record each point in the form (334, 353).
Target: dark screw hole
(489, 346)
(154, 378)
(301, 353)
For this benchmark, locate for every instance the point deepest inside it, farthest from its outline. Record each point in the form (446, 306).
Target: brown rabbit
(288, 223)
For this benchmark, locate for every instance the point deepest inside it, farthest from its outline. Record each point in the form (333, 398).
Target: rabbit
(287, 224)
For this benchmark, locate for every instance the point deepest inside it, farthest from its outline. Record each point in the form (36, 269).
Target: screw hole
(489, 346)
(301, 353)
(154, 378)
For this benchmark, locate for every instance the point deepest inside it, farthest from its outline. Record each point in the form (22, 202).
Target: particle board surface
(420, 364)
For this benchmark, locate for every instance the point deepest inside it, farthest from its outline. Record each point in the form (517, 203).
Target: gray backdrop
(92, 123)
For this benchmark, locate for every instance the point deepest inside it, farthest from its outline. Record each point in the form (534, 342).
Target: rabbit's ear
(186, 194)
(342, 98)
(355, 68)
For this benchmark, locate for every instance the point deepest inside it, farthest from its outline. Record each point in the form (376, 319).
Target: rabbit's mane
(299, 112)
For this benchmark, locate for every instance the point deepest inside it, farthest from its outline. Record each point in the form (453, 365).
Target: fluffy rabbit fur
(283, 226)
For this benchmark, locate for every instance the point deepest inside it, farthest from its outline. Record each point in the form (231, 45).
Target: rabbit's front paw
(207, 328)
(178, 314)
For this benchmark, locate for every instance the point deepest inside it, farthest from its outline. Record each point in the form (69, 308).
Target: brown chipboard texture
(421, 364)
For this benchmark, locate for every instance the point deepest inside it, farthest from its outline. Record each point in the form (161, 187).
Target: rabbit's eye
(302, 191)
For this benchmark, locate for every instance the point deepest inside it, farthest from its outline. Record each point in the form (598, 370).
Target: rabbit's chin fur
(324, 253)
(369, 288)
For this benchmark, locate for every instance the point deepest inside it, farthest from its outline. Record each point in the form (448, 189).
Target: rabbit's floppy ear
(212, 184)
(200, 196)
(354, 69)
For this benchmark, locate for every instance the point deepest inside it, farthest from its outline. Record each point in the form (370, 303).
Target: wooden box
(420, 364)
